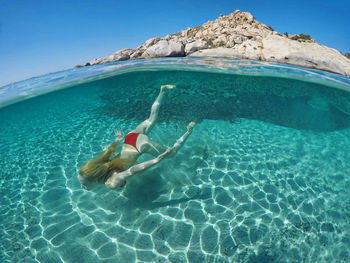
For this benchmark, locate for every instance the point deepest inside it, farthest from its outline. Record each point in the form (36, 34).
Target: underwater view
(264, 176)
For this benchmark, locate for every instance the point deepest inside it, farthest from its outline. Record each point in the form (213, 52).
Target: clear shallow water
(263, 178)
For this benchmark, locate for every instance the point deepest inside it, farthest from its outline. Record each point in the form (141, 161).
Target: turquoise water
(264, 177)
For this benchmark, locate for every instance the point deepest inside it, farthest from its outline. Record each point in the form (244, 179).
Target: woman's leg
(146, 145)
(146, 126)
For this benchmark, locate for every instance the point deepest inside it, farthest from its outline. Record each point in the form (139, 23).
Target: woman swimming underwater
(113, 171)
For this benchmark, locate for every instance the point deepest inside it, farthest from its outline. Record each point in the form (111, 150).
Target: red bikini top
(123, 184)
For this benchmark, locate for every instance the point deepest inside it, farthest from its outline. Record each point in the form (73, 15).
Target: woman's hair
(97, 169)
(118, 164)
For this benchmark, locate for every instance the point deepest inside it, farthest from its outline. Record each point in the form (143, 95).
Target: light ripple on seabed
(239, 191)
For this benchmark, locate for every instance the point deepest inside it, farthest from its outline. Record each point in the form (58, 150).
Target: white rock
(238, 39)
(194, 46)
(230, 41)
(120, 55)
(220, 41)
(199, 34)
(165, 48)
(136, 54)
(151, 42)
(250, 49)
(312, 55)
(217, 52)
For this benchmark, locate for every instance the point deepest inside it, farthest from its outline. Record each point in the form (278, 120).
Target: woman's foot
(190, 126)
(165, 87)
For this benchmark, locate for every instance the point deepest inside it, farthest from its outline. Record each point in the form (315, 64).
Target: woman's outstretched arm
(111, 148)
(117, 178)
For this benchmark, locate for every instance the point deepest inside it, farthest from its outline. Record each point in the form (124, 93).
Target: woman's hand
(107, 147)
(113, 181)
(118, 135)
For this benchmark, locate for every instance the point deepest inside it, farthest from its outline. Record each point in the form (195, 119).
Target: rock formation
(238, 35)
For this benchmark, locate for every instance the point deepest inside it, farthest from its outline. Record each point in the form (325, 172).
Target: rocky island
(238, 35)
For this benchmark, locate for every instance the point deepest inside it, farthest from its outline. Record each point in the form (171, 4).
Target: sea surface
(264, 177)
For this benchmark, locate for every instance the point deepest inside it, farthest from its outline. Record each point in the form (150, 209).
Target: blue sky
(38, 37)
